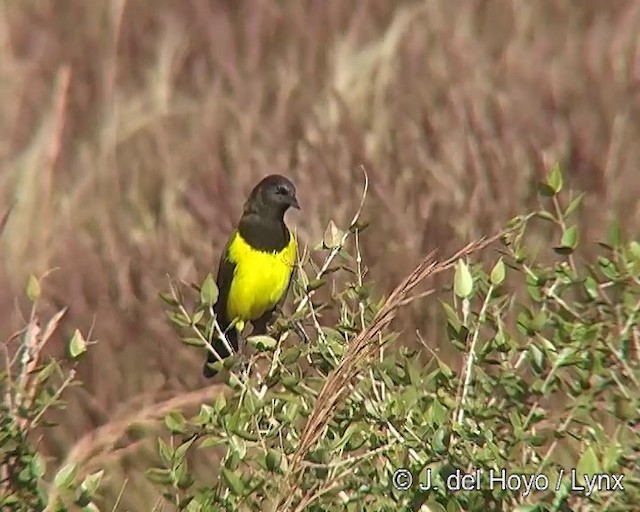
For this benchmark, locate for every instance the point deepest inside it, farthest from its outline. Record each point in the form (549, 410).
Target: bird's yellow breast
(260, 278)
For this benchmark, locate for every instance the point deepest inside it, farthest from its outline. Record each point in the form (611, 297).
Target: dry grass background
(130, 132)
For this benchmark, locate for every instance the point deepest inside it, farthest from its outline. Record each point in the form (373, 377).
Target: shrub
(548, 392)
(29, 388)
(542, 414)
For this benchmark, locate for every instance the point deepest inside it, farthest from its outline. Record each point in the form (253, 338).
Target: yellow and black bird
(254, 274)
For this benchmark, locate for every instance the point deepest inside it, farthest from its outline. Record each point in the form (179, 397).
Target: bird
(256, 265)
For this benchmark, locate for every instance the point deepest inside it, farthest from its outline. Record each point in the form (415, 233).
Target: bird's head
(273, 196)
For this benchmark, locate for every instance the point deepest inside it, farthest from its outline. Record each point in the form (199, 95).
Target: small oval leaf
(66, 476)
(555, 178)
(498, 273)
(262, 342)
(175, 422)
(160, 476)
(77, 345)
(463, 282)
(91, 482)
(234, 482)
(194, 342)
(332, 236)
(208, 291)
(33, 288)
(570, 238)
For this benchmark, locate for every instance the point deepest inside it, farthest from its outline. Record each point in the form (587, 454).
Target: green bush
(29, 388)
(548, 389)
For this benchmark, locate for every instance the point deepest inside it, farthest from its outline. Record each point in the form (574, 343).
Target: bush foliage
(339, 416)
(549, 391)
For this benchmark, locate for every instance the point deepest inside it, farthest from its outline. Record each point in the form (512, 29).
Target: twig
(334, 252)
(54, 398)
(471, 358)
(5, 217)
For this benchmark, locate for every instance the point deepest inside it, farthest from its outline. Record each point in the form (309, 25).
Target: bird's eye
(281, 191)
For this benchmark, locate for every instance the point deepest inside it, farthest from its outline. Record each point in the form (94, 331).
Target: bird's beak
(294, 203)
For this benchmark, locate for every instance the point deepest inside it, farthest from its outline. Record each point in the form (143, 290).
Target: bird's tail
(221, 349)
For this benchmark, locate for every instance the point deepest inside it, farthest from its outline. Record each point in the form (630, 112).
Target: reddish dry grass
(131, 132)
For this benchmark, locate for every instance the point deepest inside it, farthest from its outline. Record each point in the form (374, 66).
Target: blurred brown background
(131, 131)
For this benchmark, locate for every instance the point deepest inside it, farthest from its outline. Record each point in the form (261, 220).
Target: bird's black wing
(226, 269)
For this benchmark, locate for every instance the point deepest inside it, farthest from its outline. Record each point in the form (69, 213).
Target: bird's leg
(242, 351)
(243, 357)
(261, 325)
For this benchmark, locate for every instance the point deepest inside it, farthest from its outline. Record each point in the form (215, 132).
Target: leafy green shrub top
(545, 400)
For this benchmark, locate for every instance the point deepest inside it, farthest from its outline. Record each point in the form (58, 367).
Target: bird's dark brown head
(272, 197)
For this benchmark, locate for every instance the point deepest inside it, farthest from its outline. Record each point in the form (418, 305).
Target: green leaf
(591, 287)
(452, 316)
(544, 214)
(537, 357)
(237, 446)
(160, 476)
(498, 273)
(554, 180)
(611, 456)
(332, 236)
(545, 190)
(38, 466)
(45, 373)
(211, 441)
(588, 463)
(77, 345)
(221, 403)
(233, 481)
(197, 316)
(33, 288)
(413, 372)
(575, 202)
(568, 242)
(66, 476)
(436, 414)
(570, 237)
(91, 482)
(290, 355)
(181, 450)
(178, 318)
(462, 281)
(624, 409)
(194, 342)
(440, 440)
(208, 291)
(165, 451)
(314, 284)
(262, 342)
(175, 422)
(167, 298)
(183, 479)
(615, 234)
(204, 416)
(273, 460)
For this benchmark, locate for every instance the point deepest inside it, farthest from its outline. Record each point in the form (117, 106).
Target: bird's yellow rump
(256, 265)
